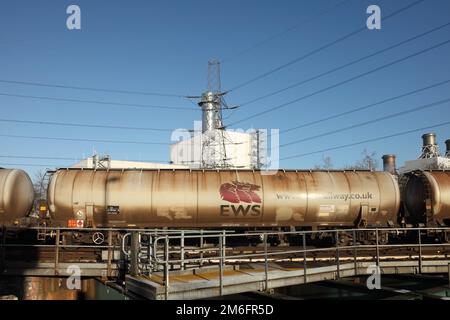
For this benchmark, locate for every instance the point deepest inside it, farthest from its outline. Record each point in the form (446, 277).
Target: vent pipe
(389, 163)
(430, 149)
(211, 112)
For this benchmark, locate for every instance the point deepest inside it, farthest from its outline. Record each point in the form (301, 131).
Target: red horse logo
(236, 192)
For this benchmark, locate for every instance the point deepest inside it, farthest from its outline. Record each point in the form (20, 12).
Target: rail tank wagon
(427, 197)
(225, 198)
(16, 195)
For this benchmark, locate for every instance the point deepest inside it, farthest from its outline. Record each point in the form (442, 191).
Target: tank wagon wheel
(98, 238)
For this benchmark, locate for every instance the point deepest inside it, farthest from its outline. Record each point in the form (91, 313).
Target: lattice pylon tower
(214, 136)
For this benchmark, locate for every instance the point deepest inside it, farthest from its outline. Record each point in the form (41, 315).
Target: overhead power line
(86, 125)
(368, 140)
(289, 29)
(97, 140)
(107, 103)
(330, 44)
(83, 140)
(39, 157)
(344, 82)
(71, 159)
(365, 107)
(29, 165)
(361, 124)
(297, 84)
(50, 85)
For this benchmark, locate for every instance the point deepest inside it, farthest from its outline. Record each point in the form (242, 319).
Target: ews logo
(236, 193)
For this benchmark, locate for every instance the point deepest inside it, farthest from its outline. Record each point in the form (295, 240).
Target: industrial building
(105, 162)
(430, 158)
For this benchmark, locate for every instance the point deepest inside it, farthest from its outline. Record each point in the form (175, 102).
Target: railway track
(294, 253)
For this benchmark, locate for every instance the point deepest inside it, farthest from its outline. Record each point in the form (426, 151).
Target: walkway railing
(171, 252)
(29, 243)
(151, 251)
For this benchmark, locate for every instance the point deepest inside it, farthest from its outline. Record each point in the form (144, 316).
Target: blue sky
(164, 46)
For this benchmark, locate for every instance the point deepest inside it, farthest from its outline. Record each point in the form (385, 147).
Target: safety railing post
(58, 233)
(449, 273)
(110, 253)
(201, 247)
(338, 269)
(304, 257)
(420, 250)
(355, 253)
(182, 249)
(221, 261)
(3, 253)
(266, 265)
(377, 247)
(134, 253)
(166, 267)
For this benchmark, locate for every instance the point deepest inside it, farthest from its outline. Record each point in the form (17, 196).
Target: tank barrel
(389, 163)
(16, 195)
(149, 198)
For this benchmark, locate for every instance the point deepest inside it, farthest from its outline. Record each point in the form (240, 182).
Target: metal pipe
(110, 253)
(2, 262)
(182, 249)
(377, 248)
(449, 273)
(304, 258)
(57, 252)
(420, 251)
(166, 268)
(338, 269)
(221, 243)
(201, 247)
(266, 264)
(355, 254)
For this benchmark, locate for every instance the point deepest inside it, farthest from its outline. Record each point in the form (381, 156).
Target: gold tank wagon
(225, 198)
(427, 197)
(16, 195)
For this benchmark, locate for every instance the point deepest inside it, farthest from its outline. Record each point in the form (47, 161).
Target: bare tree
(327, 164)
(368, 162)
(38, 183)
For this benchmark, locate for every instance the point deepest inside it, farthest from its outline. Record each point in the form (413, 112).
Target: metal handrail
(158, 238)
(222, 259)
(265, 234)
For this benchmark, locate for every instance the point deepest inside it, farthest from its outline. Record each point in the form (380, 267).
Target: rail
(168, 253)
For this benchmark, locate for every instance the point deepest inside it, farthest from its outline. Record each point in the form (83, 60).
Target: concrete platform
(199, 283)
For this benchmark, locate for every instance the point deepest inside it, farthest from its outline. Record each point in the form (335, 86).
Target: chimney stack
(389, 163)
(429, 139)
(430, 148)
